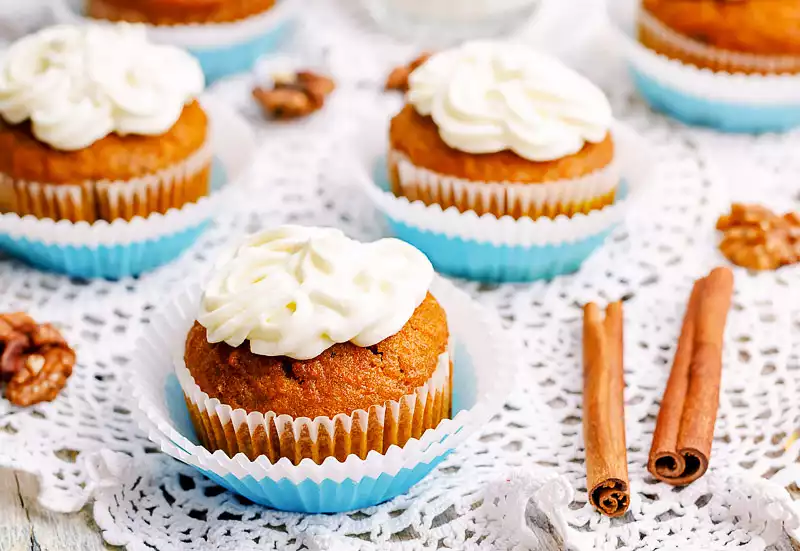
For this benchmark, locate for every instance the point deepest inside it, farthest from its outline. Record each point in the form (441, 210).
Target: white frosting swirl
(490, 96)
(296, 291)
(79, 84)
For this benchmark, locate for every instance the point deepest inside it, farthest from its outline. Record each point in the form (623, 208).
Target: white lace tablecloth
(533, 448)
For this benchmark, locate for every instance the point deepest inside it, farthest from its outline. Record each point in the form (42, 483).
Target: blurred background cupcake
(347, 353)
(502, 129)
(105, 150)
(502, 166)
(733, 66)
(734, 37)
(98, 124)
(226, 36)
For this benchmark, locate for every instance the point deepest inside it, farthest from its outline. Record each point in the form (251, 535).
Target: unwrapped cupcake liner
(734, 102)
(223, 49)
(160, 191)
(123, 248)
(219, 426)
(516, 199)
(488, 248)
(485, 361)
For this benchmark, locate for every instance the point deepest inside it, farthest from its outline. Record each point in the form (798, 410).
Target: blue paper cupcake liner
(326, 496)
(104, 261)
(222, 61)
(487, 249)
(485, 363)
(223, 49)
(720, 115)
(491, 263)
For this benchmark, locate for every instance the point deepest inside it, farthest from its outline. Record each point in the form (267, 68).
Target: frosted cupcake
(97, 123)
(733, 66)
(311, 345)
(502, 129)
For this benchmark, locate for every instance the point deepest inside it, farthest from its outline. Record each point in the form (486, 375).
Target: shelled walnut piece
(36, 361)
(398, 78)
(294, 95)
(758, 239)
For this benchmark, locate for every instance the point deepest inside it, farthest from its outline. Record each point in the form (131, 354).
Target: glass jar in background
(443, 22)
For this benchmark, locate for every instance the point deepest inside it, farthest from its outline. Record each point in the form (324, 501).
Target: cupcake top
(486, 97)
(78, 84)
(296, 291)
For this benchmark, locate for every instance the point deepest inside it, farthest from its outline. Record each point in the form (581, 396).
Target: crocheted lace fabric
(521, 483)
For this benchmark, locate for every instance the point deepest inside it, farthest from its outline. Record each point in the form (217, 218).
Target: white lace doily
(528, 461)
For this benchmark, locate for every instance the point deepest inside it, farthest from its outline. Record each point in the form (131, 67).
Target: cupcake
(734, 37)
(503, 165)
(96, 123)
(501, 129)
(732, 66)
(311, 345)
(158, 12)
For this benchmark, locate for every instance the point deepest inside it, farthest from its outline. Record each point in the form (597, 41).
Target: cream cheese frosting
(487, 97)
(296, 291)
(78, 84)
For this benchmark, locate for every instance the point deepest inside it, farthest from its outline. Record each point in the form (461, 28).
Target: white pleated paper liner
(222, 427)
(222, 48)
(485, 363)
(739, 102)
(121, 248)
(491, 249)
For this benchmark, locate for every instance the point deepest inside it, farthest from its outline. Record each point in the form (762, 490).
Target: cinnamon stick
(684, 431)
(604, 410)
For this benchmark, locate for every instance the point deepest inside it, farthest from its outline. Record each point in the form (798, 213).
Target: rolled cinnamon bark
(684, 431)
(604, 410)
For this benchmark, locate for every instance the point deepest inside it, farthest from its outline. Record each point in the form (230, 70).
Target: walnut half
(757, 238)
(398, 78)
(36, 360)
(294, 95)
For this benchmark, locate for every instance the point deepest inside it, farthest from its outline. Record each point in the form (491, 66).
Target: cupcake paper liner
(219, 426)
(517, 199)
(491, 249)
(731, 102)
(223, 49)
(485, 362)
(171, 187)
(123, 248)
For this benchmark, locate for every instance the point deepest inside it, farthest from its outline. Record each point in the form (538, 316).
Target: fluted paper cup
(485, 360)
(171, 187)
(724, 99)
(223, 49)
(221, 427)
(516, 199)
(506, 249)
(123, 248)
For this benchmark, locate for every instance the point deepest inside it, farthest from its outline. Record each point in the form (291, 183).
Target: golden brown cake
(328, 346)
(750, 36)
(176, 12)
(129, 139)
(417, 138)
(502, 129)
(342, 379)
(24, 159)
